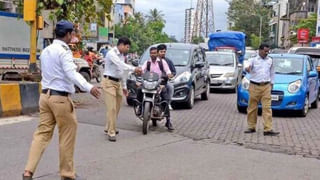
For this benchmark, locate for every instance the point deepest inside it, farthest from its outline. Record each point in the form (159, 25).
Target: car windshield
(284, 65)
(218, 59)
(179, 57)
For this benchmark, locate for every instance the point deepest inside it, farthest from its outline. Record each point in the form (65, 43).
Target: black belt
(54, 92)
(260, 83)
(112, 78)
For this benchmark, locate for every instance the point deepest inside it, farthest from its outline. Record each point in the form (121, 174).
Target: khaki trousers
(113, 99)
(55, 110)
(260, 93)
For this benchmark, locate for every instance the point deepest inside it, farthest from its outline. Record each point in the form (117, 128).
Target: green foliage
(143, 31)
(86, 11)
(254, 41)
(309, 23)
(246, 16)
(197, 40)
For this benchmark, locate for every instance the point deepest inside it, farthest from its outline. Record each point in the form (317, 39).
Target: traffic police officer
(56, 107)
(115, 72)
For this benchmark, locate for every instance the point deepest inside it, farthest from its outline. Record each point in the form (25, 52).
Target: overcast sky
(174, 13)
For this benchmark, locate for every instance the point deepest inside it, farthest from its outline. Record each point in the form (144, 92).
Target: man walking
(162, 50)
(56, 107)
(261, 83)
(116, 71)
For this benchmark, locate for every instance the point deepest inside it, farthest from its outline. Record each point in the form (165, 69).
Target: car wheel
(304, 111)
(190, 102)
(241, 109)
(205, 95)
(315, 103)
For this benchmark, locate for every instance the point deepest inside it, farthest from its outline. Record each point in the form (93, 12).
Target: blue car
(296, 85)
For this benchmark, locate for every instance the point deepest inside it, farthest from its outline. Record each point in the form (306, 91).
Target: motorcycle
(152, 107)
(96, 73)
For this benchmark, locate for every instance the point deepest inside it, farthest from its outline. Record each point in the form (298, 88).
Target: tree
(197, 40)
(84, 11)
(246, 15)
(254, 41)
(155, 15)
(143, 32)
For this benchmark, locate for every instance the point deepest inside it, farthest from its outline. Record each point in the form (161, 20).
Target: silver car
(225, 71)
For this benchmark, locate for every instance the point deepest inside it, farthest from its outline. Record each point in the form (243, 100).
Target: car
(225, 71)
(313, 52)
(192, 78)
(296, 85)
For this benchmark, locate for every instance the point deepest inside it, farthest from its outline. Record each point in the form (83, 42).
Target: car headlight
(229, 74)
(184, 77)
(132, 77)
(245, 83)
(150, 85)
(294, 86)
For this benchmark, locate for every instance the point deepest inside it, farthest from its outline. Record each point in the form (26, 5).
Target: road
(208, 143)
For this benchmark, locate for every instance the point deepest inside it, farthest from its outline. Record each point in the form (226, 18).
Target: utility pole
(203, 19)
(30, 16)
(260, 30)
(278, 25)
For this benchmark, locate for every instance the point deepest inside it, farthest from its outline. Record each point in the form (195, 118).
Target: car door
(203, 70)
(196, 71)
(312, 84)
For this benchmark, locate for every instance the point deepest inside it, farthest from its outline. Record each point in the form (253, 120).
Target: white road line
(14, 120)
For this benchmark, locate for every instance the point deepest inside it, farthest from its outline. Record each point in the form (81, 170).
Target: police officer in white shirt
(56, 107)
(261, 71)
(114, 83)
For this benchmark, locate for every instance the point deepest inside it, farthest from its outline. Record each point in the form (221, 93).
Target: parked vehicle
(296, 85)
(192, 78)
(152, 105)
(225, 71)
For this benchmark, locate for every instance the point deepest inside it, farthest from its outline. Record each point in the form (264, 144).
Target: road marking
(14, 120)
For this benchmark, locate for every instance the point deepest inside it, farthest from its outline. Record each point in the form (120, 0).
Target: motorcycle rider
(156, 65)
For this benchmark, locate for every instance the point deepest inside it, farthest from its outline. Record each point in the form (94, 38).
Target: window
(308, 65)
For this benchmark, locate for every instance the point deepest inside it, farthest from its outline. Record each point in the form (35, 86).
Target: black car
(192, 78)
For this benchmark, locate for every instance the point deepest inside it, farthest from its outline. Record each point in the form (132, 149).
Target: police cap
(64, 26)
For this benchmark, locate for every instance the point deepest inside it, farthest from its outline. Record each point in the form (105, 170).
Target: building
(189, 23)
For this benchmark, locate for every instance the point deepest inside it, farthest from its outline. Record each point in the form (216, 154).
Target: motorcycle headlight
(229, 74)
(132, 77)
(245, 83)
(294, 86)
(184, 77)
(150, 85)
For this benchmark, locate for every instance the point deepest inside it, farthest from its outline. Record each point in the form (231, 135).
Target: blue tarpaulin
(233, 39)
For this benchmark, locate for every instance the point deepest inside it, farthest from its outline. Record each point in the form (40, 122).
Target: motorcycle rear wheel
(146, 117)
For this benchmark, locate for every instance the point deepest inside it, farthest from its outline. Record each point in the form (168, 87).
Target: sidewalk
(156, 156)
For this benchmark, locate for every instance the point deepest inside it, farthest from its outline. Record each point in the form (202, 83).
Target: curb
(19, 98)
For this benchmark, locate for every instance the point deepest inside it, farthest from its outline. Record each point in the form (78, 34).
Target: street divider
(19, 98)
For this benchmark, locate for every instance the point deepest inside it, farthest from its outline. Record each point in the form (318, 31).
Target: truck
(15, 48)
(228, 41)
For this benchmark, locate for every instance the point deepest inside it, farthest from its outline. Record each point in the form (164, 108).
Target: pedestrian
(114, 83)
(59, 77)
(261, 71)
(162, 50)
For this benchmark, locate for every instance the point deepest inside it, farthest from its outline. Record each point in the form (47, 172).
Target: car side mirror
(199, 65)
(135, 62)
(312, 74)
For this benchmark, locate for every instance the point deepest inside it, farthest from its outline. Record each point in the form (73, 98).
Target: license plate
(214, 81)
(274, 97)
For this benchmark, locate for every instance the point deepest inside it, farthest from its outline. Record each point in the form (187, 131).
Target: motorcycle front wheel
(146, 117)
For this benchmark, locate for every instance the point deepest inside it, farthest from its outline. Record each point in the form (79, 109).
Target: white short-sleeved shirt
(262, 70)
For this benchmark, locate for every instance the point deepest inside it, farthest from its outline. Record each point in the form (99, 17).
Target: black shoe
(271, 133)
(106, 131)
(154, 123)
(169, 126)
(248, 131)
(112, 138)
(26, 177)
(139, 110)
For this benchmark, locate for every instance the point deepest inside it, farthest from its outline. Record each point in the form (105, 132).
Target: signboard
(303, 35)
